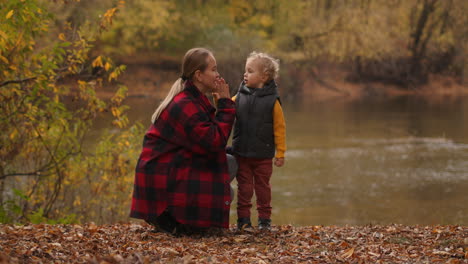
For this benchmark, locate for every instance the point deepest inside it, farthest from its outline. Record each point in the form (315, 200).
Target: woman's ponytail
(195, 59)
(176, 88)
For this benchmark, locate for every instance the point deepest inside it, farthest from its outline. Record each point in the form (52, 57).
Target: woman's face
(208, 77)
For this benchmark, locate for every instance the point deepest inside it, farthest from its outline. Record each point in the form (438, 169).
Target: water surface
(402, 160)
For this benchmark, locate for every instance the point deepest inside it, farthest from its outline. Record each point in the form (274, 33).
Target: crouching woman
(182, 182)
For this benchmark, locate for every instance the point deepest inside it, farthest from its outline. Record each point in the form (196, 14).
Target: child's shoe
(264, 224)
(244, 223)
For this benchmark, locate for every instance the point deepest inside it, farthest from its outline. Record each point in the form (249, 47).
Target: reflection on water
(368, 162)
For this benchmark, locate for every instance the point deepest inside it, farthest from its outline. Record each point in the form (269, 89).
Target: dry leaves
(135, 243)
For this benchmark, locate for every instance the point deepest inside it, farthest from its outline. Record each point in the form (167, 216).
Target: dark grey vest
(253, 131)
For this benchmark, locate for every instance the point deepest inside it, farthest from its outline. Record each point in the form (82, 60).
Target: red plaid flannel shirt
(183, 164)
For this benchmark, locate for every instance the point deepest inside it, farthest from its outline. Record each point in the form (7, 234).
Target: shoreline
(146, 82)
(153, 78)
(329, 89)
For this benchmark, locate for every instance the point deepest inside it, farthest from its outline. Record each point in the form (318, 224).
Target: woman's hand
(222, 89)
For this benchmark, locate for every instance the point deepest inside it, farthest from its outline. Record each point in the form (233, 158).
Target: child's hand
(279, 162)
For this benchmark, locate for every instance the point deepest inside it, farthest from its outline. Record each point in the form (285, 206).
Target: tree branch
(17, 81)
(20, 174)
(41, 171)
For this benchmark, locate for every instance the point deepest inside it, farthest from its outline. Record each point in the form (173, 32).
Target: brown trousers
(254, 174)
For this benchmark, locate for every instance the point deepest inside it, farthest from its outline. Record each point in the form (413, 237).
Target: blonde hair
(270, 65)
(195, 59)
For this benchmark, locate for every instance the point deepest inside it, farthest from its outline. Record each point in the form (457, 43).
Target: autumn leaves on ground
(135, 243)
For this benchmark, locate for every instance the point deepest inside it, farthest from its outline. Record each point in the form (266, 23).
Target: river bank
(135, 243)
(438, 87)
(152, 76)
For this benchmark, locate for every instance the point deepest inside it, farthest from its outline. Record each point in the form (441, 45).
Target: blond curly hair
(270, 65)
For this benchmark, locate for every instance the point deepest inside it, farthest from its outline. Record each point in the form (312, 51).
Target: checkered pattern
(183, 164)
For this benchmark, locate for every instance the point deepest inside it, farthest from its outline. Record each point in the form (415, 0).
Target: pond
(402, 160)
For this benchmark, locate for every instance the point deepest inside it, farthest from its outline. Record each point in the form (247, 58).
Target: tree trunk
(420, 37)
(2, 185)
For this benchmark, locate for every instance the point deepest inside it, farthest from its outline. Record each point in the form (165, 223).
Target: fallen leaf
(248, 251)
(348, 253)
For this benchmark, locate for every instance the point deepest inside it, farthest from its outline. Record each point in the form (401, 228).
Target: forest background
(64, 64)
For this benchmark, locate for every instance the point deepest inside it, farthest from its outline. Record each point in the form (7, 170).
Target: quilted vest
(253, 130)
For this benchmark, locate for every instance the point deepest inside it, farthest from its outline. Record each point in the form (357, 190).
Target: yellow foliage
(13, 134)
(107, 18)
(10, 14)
(115, 111)
(5, 60)
(62, 37)
(266, 21)
(113, 76)
(3, 35)
(142, 24)
(98, 62)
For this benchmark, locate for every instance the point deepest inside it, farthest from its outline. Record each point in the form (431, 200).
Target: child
(259, 131)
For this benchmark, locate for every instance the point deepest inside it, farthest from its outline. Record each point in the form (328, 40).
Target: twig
(17, 81)
(20, 174)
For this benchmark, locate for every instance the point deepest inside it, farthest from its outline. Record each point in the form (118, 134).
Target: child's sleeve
(279, 130)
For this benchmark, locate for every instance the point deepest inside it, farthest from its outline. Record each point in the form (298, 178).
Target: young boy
(259, 130)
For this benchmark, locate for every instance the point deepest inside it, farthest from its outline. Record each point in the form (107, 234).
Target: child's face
(254, 77)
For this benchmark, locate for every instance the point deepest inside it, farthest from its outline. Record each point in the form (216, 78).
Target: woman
(182, 180)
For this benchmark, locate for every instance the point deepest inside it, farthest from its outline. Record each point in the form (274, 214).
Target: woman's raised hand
(222, 89)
